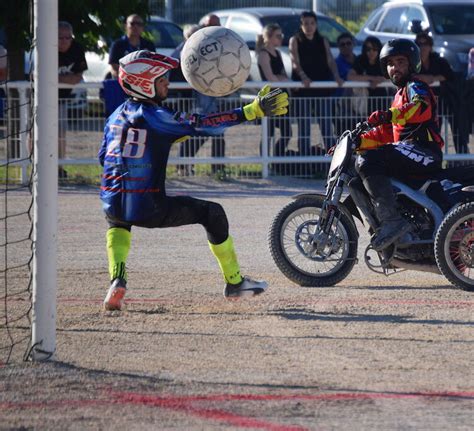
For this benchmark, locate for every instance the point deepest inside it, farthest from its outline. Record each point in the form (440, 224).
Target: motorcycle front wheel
(454, 246)
(297, 254)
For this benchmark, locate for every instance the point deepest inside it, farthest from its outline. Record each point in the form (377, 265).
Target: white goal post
(45, 180)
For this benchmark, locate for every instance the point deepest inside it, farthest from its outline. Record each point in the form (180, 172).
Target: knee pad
(217, 225)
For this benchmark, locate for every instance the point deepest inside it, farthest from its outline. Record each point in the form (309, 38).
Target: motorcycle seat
(458, 174)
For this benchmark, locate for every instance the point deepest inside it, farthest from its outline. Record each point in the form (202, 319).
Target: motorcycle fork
(329, 213)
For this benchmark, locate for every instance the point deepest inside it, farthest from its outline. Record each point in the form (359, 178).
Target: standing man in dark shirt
(131, 41)
(71, 65)
(436, 68)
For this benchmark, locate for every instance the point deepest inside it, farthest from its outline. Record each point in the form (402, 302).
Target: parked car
(166, 36)
(451, 23)
(249, 23)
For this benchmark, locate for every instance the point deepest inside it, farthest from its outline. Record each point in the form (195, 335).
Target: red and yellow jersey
(414, 117)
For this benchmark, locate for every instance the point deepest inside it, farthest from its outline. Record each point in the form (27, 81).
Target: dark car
(450, 22)
(249, 23)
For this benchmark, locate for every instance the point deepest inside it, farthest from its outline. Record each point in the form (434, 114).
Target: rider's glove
(380, 117)
(267, 103)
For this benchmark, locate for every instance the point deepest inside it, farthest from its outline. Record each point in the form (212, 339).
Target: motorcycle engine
(423, 224)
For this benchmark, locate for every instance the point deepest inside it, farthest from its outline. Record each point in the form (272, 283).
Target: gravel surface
(373, 352)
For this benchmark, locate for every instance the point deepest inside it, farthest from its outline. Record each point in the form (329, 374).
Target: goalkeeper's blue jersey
(135, 149)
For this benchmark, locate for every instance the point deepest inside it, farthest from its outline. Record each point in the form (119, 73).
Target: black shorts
(173, 211)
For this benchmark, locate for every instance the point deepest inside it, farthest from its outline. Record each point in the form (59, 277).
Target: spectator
(176, 75)
(129, 42)
(312, 61)
(470, 89)
(470, 66)
(3, 76)
(210, 20)
(71, 65)
(3, 64)
(206, 105)
(344, 62)
(366, 68)
(189, 147)
(270, 64)
(436, 68)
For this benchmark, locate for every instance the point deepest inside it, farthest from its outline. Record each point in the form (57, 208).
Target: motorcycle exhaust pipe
(425, 267)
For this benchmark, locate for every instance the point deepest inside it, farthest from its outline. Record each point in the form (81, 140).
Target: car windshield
(452, 18)
(291, 24)
(164, 34)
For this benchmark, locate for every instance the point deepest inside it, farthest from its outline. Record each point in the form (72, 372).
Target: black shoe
(247, 287)
(390, 232)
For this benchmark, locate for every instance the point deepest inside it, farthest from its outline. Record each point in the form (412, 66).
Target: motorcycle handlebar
(361, 127)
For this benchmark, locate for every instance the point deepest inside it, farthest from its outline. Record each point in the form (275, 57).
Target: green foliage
(89, 18)
(93, 18)
(352, 26)
(15, 20)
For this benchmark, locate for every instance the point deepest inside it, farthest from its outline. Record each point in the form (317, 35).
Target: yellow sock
(118, 246)
(227, 259)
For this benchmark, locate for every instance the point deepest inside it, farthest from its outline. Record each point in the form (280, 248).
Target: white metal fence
(294, 145)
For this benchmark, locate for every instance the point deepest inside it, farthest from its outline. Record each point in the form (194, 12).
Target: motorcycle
(314, 239)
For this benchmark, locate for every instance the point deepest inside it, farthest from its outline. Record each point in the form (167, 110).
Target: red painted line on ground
(434, 302)
(186, 404)
(99, 301)
(451, 303)
(183, 404)
(287, 397)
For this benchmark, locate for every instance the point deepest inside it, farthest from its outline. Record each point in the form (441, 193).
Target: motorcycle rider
(405, 140)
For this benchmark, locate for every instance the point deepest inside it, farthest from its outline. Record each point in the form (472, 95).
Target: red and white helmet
(139, 69)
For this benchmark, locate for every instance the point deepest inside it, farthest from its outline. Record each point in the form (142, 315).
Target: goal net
(28, 198)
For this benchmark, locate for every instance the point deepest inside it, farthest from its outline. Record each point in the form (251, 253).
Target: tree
(89, 18)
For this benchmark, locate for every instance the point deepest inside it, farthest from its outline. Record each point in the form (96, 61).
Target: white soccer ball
(215, 61)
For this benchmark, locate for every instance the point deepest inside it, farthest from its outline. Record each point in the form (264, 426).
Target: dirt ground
(371, 353)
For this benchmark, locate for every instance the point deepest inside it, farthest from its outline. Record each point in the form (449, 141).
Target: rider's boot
(392, 225)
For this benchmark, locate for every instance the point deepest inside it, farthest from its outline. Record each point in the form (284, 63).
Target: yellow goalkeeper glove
(267, 103)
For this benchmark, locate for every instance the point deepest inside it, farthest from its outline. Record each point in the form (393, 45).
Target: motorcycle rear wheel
(293, 253)
(454, 247)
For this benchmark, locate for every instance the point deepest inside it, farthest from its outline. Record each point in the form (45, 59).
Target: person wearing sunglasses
(131, 41)
(366, 68)
(271, 67)
(71, 66)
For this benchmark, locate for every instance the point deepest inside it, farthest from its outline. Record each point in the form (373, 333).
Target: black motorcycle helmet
(404, 47)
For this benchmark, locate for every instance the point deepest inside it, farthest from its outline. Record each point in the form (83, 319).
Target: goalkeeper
(134, 154)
